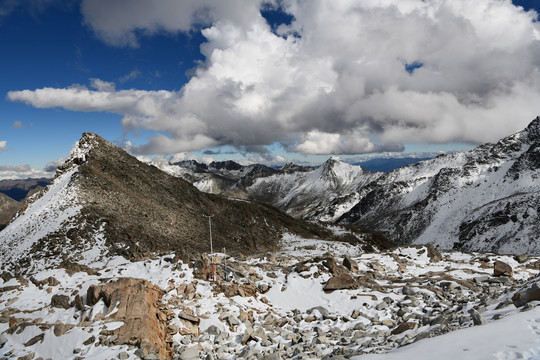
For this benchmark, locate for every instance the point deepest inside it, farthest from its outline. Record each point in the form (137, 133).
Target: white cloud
(22, 172)
(133, 74)
(333, 81)
(3, 146)
(17, 125)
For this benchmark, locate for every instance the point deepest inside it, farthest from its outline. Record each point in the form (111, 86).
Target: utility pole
(210, 227)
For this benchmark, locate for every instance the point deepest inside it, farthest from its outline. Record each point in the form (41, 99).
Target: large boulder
(342, 281)
(522, 297)
(501, 268)
(136, 303)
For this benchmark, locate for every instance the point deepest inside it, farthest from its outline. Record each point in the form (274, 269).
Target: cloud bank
(344, 77)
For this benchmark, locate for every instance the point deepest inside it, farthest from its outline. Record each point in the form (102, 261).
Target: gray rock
(3, 340)
(381, 306)
(213, 330)
(123, 355)
(523, 297)
(189, 353)
(60, 301)
(477, 318)
(408, 290)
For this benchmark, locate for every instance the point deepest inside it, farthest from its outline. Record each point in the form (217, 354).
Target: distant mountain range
(484, 199)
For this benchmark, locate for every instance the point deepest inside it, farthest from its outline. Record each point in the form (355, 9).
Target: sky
(263, 81)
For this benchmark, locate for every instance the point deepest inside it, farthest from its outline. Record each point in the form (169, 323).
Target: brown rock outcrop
(343, 281)
(136, 303)
(501, 268)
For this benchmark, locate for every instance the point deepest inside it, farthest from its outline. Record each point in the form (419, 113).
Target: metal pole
(210, 226)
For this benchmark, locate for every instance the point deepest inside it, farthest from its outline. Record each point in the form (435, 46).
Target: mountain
(8, 208)
(18, 189)
(103, 196)
(324, 193)
(485, 199)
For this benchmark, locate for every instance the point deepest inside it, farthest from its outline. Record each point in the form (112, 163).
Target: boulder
(350, 264)
(401, 328)
(522, 297)
(60, 301)
(137, 304)
(342, 281)
(501, 268)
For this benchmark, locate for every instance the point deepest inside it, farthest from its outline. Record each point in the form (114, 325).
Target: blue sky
(266, 81)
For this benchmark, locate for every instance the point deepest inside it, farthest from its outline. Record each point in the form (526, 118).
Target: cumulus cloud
(22, 172)
(344, 77)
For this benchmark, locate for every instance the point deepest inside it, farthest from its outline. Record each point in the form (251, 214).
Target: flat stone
(522, 297)
(188, 317)
(404, 327)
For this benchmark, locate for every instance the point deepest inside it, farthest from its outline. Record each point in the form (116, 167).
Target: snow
(513, 337)
(48, 213)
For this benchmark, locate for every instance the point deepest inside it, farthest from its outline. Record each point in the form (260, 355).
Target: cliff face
(8, 208)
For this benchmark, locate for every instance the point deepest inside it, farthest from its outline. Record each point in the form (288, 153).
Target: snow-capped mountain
(102, 196)
(485, 199)
(322, 194)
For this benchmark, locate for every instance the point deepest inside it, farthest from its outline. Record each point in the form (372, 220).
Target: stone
(321, 310)
(35, 340)
(138, 305)
(188, 317)
(60, 301)
(61, 329)
(189, 353)
(3, 340)
(521, 258)
(213, 330)
(350, 264)
(123, 355)
(381, 306)
(401, 328)
(29, 356)
(477, 318)
(501, 268)
(522, 297)
(340, 282)
(408, 290)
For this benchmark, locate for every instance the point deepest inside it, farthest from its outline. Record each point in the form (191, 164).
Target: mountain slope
(8, 208)
(322, 194)
(486, 199)
(102, 195)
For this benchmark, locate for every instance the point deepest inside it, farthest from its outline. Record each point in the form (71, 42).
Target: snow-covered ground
(297, 317)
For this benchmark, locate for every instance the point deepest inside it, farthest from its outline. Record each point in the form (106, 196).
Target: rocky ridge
(102, 196)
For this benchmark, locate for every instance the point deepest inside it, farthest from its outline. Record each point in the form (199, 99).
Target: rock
(477, 318)
(189, 353)
(408, 290)
(387, 322)
(3, 340)
(501, 268)
(60, 301)
(29, 356)
(123, 355)
(90, 340)
(35, 340)
(78, 303)
(188, 317)
(522, 297)
(213, 330)
(350, 264)
(404, 327)
(381, 306)
(322, 310)
(521, 258)
(433, 253)
(342, 281)
(61, 329)
(137, 303)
